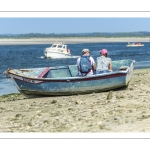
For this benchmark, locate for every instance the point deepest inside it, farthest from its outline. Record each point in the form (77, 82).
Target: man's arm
(94, 66)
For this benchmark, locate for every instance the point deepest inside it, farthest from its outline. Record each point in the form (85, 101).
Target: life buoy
(68, 50)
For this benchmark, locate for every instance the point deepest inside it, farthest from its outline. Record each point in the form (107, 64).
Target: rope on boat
(2, 74)
(6, 73)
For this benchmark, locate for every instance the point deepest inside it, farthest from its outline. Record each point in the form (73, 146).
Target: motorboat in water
(134, 44)
(57, 50)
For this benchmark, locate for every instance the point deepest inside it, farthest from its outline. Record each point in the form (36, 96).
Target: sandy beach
(75, 40)
(128, 110)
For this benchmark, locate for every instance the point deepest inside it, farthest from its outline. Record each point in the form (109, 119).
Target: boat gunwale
(75, 79)
(116, 73)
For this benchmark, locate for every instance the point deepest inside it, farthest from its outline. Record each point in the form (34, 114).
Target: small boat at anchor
(63, 80)
(57, 50)
(134, 44)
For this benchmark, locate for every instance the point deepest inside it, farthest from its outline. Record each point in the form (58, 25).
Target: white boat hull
(57, 55)
(135, 45)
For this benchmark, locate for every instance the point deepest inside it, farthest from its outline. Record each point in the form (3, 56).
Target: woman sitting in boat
(104, 63)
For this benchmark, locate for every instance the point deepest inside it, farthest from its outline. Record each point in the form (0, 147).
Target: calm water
(30, 56)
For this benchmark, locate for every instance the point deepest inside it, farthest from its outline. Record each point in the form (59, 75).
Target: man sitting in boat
(86, 64)
(104, 63)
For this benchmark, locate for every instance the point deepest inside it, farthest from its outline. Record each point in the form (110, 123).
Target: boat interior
(65, 71)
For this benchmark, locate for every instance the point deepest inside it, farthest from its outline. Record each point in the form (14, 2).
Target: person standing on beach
(104, 63)
(86, 64)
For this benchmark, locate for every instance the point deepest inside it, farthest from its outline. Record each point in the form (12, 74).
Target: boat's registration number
(29, 80)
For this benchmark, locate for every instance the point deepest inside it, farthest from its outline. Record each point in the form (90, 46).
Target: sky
(26, 16)
(72, 25)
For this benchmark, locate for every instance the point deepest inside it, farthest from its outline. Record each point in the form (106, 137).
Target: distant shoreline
(71, 40)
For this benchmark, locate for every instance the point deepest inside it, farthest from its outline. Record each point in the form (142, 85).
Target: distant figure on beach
(104, 63)
(86, 64)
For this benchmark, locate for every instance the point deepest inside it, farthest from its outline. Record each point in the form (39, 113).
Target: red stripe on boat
(77, 80)
(44, 72)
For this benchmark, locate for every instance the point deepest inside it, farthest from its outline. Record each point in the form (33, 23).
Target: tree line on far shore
(94, 34)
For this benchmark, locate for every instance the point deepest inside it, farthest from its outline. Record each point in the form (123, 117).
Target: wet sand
(126, 110)
(75, 40)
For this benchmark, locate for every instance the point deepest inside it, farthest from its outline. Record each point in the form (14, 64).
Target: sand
(75, 40)
(128, 110)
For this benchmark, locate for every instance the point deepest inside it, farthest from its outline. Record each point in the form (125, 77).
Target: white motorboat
(57, 50)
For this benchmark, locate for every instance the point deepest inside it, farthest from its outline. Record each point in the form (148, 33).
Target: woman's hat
(103, 51)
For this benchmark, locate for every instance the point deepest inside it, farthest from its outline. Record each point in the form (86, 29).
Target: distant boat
(134, 44)
(57, 50)
(63, 80)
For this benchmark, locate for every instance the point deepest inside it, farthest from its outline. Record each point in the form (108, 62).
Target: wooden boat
(134, 44)
(57, 50)
(63, 80)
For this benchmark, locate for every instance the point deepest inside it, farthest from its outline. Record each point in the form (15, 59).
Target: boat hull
(63, 80)
(76, 86)
(134, 45)
(57, 55)
(72, 85)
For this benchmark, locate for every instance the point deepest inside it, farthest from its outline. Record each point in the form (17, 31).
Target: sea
(32, 56)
